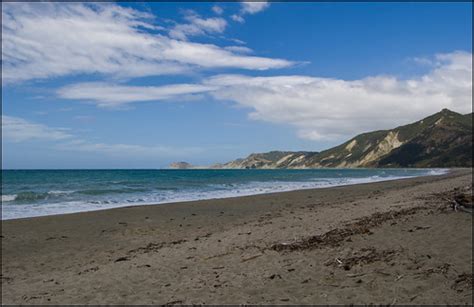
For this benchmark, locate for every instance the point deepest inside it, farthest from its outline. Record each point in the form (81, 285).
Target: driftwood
(456, 206)
(251, 257)
(459, 199)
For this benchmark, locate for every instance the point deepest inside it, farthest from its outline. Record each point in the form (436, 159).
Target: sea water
(28, 193)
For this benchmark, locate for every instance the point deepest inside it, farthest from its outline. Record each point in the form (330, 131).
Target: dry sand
(394, 242)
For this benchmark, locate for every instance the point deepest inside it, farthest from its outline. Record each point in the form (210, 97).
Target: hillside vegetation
(443, 139)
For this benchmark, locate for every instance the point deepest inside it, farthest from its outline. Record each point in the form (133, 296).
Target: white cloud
(323, 108)
(110, 95)
(16, 129)
(254, 7)
(211, 56)
(239, 49)
(198, 26)
(319, 108)
(217, 9)
(249, 8)
(43, 40)
(237, 18)
(237, 41)
(423, 61)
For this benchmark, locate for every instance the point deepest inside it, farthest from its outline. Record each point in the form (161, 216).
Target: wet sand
(395, 242)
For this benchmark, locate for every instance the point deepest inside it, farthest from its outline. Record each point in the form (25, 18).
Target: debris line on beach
(336, 236)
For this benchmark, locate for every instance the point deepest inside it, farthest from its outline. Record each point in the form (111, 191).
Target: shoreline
(444, 171)
(384, 242)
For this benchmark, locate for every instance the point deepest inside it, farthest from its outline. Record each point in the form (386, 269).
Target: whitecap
(8, 197)
(59, 192)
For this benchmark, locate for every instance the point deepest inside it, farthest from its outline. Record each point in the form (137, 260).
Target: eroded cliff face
(389, 143)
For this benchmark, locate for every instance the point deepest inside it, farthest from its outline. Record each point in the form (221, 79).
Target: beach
(390, 242)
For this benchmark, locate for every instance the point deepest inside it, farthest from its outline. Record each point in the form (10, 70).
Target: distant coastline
(441, 140)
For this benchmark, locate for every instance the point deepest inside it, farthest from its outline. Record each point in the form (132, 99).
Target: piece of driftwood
(456, 206)
(356, 275)
(251, 257)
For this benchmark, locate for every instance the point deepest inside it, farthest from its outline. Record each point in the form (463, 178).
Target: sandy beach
(394, 242)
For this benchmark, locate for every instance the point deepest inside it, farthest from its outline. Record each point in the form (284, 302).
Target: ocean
(28, 193)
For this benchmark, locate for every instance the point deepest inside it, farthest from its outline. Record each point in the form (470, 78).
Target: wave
(111, 191)
(439, 171)
(32, 196)
(6, 198)
(37, 196)
(59, 192)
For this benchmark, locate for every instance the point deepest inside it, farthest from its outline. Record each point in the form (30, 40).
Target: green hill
(443, 139)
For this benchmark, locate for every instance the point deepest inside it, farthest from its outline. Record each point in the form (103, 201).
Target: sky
(141, 85)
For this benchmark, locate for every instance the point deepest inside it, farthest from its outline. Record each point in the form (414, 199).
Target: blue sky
(142, 85)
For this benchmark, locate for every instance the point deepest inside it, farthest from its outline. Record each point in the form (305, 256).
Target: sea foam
(8, 197)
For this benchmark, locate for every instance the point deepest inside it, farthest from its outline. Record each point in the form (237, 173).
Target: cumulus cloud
(43, 40)
(323, 108)
(112, 95)
(319, 108)
(249, 8)
(16, 129)
(198, 26)
(237, 18)
(254, 7)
